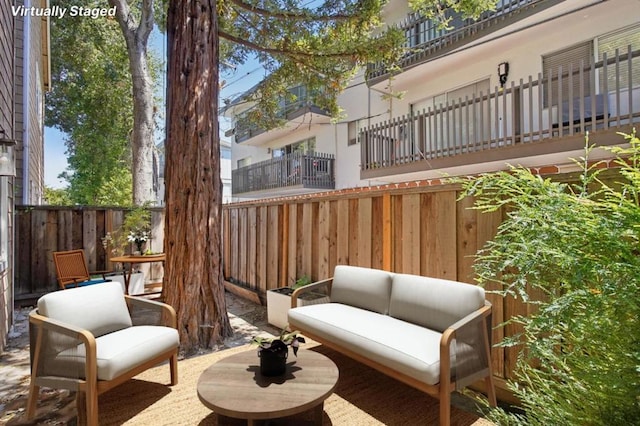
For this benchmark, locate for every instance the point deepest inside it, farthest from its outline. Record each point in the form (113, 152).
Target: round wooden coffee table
(234, 387)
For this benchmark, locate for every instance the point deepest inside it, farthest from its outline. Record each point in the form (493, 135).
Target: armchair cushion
(117, 352)
(100, 309)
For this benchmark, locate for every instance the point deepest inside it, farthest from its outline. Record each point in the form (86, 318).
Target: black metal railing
(425, 37)
(246, 129)
(311, 170)
(563, 102)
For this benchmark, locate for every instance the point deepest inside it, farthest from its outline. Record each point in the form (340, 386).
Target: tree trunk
(142, 142)
(193, 267)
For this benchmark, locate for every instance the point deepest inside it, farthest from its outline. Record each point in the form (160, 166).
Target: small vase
(139, 247)
(273, 363)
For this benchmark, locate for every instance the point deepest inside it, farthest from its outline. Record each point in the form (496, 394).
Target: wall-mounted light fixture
(503, 73)
(7, 161)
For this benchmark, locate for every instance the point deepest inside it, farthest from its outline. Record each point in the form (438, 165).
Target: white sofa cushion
(431, 302)
(402, 346)
(99, 308)
(117, 352)
(362, 287)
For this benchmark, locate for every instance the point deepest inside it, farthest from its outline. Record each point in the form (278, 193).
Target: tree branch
(288, 15)
(146, 21)
(286, 52)
(123, 16)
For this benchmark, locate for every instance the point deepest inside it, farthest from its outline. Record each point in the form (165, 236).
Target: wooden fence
(418, 230)
(42, 230)
(413, 228)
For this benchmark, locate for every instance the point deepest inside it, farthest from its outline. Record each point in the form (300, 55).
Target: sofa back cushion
(362, 287)
(431, 302)
(99, 308)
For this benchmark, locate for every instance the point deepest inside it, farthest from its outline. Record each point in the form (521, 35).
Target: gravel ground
(247, 320)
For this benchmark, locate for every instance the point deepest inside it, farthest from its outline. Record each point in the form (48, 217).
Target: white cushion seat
(119, 351)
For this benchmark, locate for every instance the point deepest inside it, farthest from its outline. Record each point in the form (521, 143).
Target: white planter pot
(279, 303)
(136, 282)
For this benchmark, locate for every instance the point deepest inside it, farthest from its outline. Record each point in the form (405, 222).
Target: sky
(236, 82)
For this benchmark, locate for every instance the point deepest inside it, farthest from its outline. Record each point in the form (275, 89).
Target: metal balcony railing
(567, 102)
(312, 170)
(425, 38)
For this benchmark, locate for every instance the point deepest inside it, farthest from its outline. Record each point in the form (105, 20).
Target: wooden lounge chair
(72, 271)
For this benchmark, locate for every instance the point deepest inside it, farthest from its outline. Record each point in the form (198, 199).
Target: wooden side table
(234, 387)
(135, 260)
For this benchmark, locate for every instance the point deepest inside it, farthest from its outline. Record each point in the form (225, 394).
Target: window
(225, 153)
(353, 130)
(243, 162)
(621, 39)
(573, 58)
(305, 146)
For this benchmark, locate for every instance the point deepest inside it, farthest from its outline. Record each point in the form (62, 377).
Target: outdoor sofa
(430, 333)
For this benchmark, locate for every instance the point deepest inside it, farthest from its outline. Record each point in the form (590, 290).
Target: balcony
(425, 40)
(293, 172)
(245, 129)
(535, 117)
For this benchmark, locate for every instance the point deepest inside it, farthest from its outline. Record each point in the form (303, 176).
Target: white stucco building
(521, 85)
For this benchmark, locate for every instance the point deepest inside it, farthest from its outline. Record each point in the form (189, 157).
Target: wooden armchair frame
(90, 387)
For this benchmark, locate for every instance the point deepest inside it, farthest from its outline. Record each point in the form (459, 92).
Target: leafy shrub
(573, 251)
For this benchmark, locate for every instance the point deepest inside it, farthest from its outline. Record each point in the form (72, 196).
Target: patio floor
(247, 319)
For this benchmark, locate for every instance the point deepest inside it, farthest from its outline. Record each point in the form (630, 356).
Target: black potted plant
(273, 352)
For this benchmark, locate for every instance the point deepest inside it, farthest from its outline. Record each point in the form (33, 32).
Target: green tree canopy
(91, 102)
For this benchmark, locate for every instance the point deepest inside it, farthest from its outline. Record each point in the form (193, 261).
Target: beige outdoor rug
(363, 397)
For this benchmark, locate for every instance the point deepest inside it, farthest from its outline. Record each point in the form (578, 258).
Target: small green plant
(135, 229)
(302, 281)
(280, 343)
(572, 253)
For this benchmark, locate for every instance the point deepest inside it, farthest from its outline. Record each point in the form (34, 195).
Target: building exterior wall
(522, 44)
(30, 107)
(6, 183)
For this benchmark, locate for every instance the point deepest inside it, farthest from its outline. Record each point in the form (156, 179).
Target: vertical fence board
(353, 232)
(38, 262)
(439, 231)
(252, 249)
(263, 226)
(487, 227)
(273, 239)
(306, 234)
(324, 239)
(333, 239)
(364, 232)
(467, 239)
(377, 233)
(411, 234)
(342, 232)
(293, 243)
(396, 202)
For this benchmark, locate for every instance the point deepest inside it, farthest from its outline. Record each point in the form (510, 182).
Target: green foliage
(319, 45)
(572, 253)
(57, 196)
(302, 281)
(91, 102)
(136, 225)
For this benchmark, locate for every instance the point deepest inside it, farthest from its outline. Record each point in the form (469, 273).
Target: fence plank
(324, 239)
(364, 232)
(342, 232)
(411, 234)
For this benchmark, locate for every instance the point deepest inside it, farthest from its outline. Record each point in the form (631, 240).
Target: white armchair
(91, 339)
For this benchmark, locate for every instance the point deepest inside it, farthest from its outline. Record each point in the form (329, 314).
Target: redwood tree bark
(193, 267)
